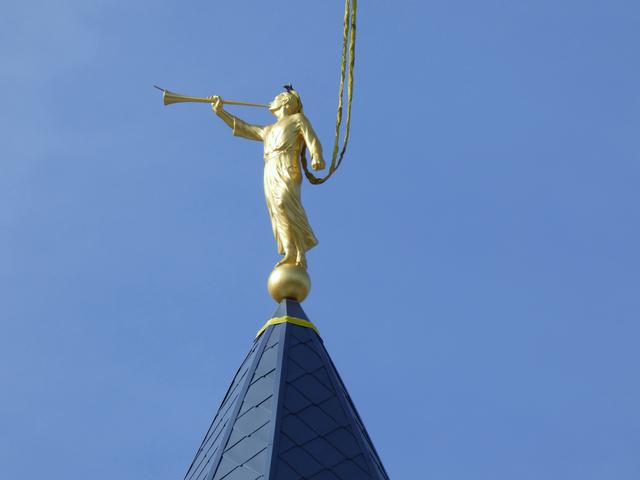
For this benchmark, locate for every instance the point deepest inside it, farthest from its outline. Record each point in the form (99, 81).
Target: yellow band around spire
(296, 321)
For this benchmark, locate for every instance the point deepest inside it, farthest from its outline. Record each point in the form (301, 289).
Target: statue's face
(278, 102)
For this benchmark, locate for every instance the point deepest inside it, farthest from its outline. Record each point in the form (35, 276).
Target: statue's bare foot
(301, 262)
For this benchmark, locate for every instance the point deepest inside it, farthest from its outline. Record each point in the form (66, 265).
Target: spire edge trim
(286, 319)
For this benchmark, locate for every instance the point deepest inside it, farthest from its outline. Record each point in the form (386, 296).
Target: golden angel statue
(283, 142)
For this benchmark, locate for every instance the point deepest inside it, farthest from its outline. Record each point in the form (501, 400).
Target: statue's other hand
(216, 103)
(317, 164)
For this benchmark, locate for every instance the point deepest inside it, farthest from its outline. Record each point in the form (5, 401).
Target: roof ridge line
(278, 404)
(236, 408)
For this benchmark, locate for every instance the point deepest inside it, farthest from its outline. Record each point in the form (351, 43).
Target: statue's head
(286, 102)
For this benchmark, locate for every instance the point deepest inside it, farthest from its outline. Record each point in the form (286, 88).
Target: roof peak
(290, 308)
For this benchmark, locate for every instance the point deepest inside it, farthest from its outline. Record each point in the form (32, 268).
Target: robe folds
(283, 143)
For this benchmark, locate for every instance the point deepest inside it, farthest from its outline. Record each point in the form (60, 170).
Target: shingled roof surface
(287, 416)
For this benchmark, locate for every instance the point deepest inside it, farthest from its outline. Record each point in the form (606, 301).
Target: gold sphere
(289, 281)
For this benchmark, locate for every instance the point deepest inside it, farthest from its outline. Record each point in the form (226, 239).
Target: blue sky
(477, 278)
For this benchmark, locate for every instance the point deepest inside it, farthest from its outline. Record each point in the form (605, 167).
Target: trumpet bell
(169, 98)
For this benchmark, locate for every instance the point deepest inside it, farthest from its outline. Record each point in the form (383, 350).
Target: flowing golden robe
(283, 142)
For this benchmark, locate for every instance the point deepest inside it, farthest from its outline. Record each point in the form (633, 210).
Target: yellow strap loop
(348, 44)
(296, 321)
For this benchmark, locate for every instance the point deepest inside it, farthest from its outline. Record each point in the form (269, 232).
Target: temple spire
(287, 414)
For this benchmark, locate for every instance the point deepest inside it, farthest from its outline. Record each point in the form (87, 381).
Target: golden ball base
(289, 281)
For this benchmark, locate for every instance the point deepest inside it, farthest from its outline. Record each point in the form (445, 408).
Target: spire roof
(287, 415)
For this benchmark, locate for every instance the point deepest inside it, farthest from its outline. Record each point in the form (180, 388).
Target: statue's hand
(216, 104)
(317, 164)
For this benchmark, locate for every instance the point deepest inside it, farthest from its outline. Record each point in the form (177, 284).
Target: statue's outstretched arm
(312, 142)
(240, 127)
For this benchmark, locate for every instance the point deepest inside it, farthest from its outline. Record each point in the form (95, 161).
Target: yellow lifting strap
(348, 44)
(296, 321)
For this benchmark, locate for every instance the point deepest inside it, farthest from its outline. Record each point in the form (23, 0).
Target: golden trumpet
(170, 98)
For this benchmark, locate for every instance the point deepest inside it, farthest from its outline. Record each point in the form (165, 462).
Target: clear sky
(477, 278)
